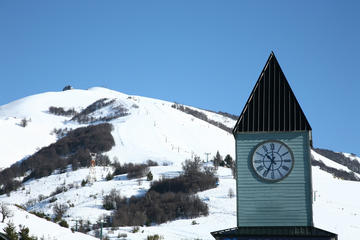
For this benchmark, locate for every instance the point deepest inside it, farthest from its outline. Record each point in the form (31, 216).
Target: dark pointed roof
(272, 105)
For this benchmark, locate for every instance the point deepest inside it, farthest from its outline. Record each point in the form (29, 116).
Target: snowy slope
(330, 163)
(152, 130)
(178, 135)
(41, 228)
(87, 202)
(336, 206)
(37, 134)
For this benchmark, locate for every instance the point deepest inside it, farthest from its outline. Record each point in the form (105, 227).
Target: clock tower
(273, 164)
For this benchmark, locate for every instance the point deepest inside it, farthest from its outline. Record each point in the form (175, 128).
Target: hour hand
(271, 163)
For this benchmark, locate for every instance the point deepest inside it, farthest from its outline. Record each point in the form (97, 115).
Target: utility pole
(76, 225)
(207, 157)
(101, 229)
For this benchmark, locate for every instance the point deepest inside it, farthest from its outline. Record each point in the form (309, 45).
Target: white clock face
(272, 160)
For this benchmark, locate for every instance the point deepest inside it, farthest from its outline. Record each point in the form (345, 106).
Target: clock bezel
(260, 176)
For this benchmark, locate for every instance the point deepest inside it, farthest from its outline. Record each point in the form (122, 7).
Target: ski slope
(177, 135)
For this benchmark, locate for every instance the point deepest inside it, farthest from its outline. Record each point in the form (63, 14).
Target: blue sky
(207, 54)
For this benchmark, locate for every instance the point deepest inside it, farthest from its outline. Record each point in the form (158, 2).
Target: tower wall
(284, 203)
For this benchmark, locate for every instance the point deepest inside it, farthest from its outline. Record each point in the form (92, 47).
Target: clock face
(272, 160)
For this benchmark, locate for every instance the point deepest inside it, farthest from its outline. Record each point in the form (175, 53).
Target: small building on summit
(273, 164)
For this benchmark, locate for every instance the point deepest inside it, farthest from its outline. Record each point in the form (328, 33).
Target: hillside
(41, 228)
(146, 129)
(178, 135)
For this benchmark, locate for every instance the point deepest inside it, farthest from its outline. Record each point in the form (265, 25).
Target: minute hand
(268, 169)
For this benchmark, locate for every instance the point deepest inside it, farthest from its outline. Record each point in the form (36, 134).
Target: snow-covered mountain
(177, 135)
(145, 129)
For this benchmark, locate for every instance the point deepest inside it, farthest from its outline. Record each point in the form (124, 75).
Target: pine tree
(10, 231)
(109, 177)
(229, 161)
(24, 233)
(150, 176)
(217, 160)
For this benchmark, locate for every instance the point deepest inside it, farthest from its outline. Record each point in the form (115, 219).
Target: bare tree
(192, 167)
(59, 211)
(5, 211)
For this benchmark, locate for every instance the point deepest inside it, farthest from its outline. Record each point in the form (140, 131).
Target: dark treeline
(225, 114)
(340, 158)
(83, 115)
(74, 149)
(158, 208)
(201, 116)
(191, 181)
(229, 115)
(116, 112)
(166, 200)
(61, 111)
(339, 173)
(185, 183)
(133, 170)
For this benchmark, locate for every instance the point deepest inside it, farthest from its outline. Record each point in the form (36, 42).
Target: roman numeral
(259, 168)
(287, 160)
(265, 148)
(272, 175)
(265, 173)
(260, 154)
(281, 175)
(272, 146)
(257, 161)
(284, 154)
(285, 168)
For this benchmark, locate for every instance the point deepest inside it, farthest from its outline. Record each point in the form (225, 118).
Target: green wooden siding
(284, 203)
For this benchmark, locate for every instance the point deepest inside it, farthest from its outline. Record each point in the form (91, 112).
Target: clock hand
(268, 169)
(273, 157)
